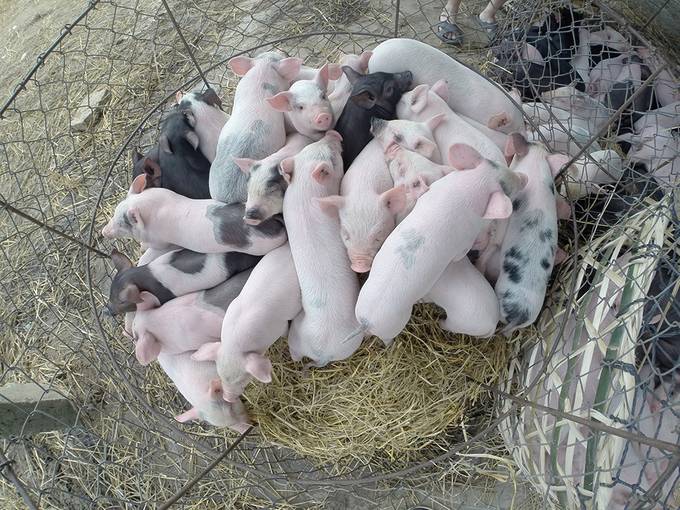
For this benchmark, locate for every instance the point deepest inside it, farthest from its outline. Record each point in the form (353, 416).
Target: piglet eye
(388, 90)
(323, 96)
(419, 145)
(344, 234)
(300, 107)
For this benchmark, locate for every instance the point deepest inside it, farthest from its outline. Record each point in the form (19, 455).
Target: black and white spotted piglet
(530, 243)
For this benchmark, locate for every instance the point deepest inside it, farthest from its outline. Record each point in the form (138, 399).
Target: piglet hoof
(387, 342)
(560, 255)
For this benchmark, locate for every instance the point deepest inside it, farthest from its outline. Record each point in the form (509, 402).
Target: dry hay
(393, 402)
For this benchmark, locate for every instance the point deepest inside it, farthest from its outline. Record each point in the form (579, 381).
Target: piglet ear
(331, 204)
(556, 162)
(364, 99)
(351, 74)
(434, 122)
(207, 352)
(120, 261)
(192, 138)
(241, 65)
(363, 60)
(419, 98)
(530, 53)
(138, 185)
(321, 172)
(210, 97)
(241, 428)
(394, 199)
(191, 414)
(427, 147)
(563, 209)
(215, 389)
(322, 77)
(289, 68)
(464, 157)
(245, 164)
(153, 173)
(148, 301)
(334, 71)
(286, 168)
(178, 96)
(259, 367)
(441, 88)
(516, 144)
(130, 294)
(280, 102)
(499, 206)
(147, 348)
(135, 217)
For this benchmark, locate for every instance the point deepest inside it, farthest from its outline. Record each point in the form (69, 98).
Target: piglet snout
(323, 120)
(253, 216)
(361, 264)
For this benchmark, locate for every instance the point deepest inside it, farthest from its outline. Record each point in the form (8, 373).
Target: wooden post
(28, 409)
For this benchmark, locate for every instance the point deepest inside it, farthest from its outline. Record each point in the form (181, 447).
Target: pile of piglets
(255, 225)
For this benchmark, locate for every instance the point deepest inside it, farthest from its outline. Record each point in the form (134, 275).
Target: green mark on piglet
(413, 240)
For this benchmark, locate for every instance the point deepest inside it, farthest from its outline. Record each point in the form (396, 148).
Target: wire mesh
(122, 449)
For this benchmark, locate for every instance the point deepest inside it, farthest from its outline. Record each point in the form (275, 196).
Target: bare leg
(447, 29)
(450, 11)
(489, 13)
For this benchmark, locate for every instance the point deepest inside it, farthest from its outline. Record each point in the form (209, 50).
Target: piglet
(468, 299)
(587, 173)
(411, 135)
(438, 231)
(367, 206)
(203, 112)
(665, 117)
(177, 163)
(370, 206)
(255, 130)
(170, 275)
(159, 217)
(254, 321)
(266, 185)
(530, 243)
(306, 107)
(470, 94)
(198, 383)
(659, 150)
(328, 286)
(184, 323)
(373, 95)
(424, 104)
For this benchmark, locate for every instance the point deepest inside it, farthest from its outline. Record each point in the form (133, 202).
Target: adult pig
(254, 321)
(530, 243)
(184, 323)
(197, 382)
(306, 107)
(158, 217)
(204, 112)
(254, 130)
(328, 286)
(438, 231)
(266, 185)
(168, 276)
(373, 95)
(468, 299)
(470, 94)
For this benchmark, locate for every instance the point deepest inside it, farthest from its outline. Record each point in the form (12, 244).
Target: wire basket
(101, 90)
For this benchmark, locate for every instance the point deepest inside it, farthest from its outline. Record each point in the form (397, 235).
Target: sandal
(449, 33)
(491, 28)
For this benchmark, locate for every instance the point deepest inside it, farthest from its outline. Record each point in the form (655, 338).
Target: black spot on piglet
(513, 270)
(545, 235)
(515, 313)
